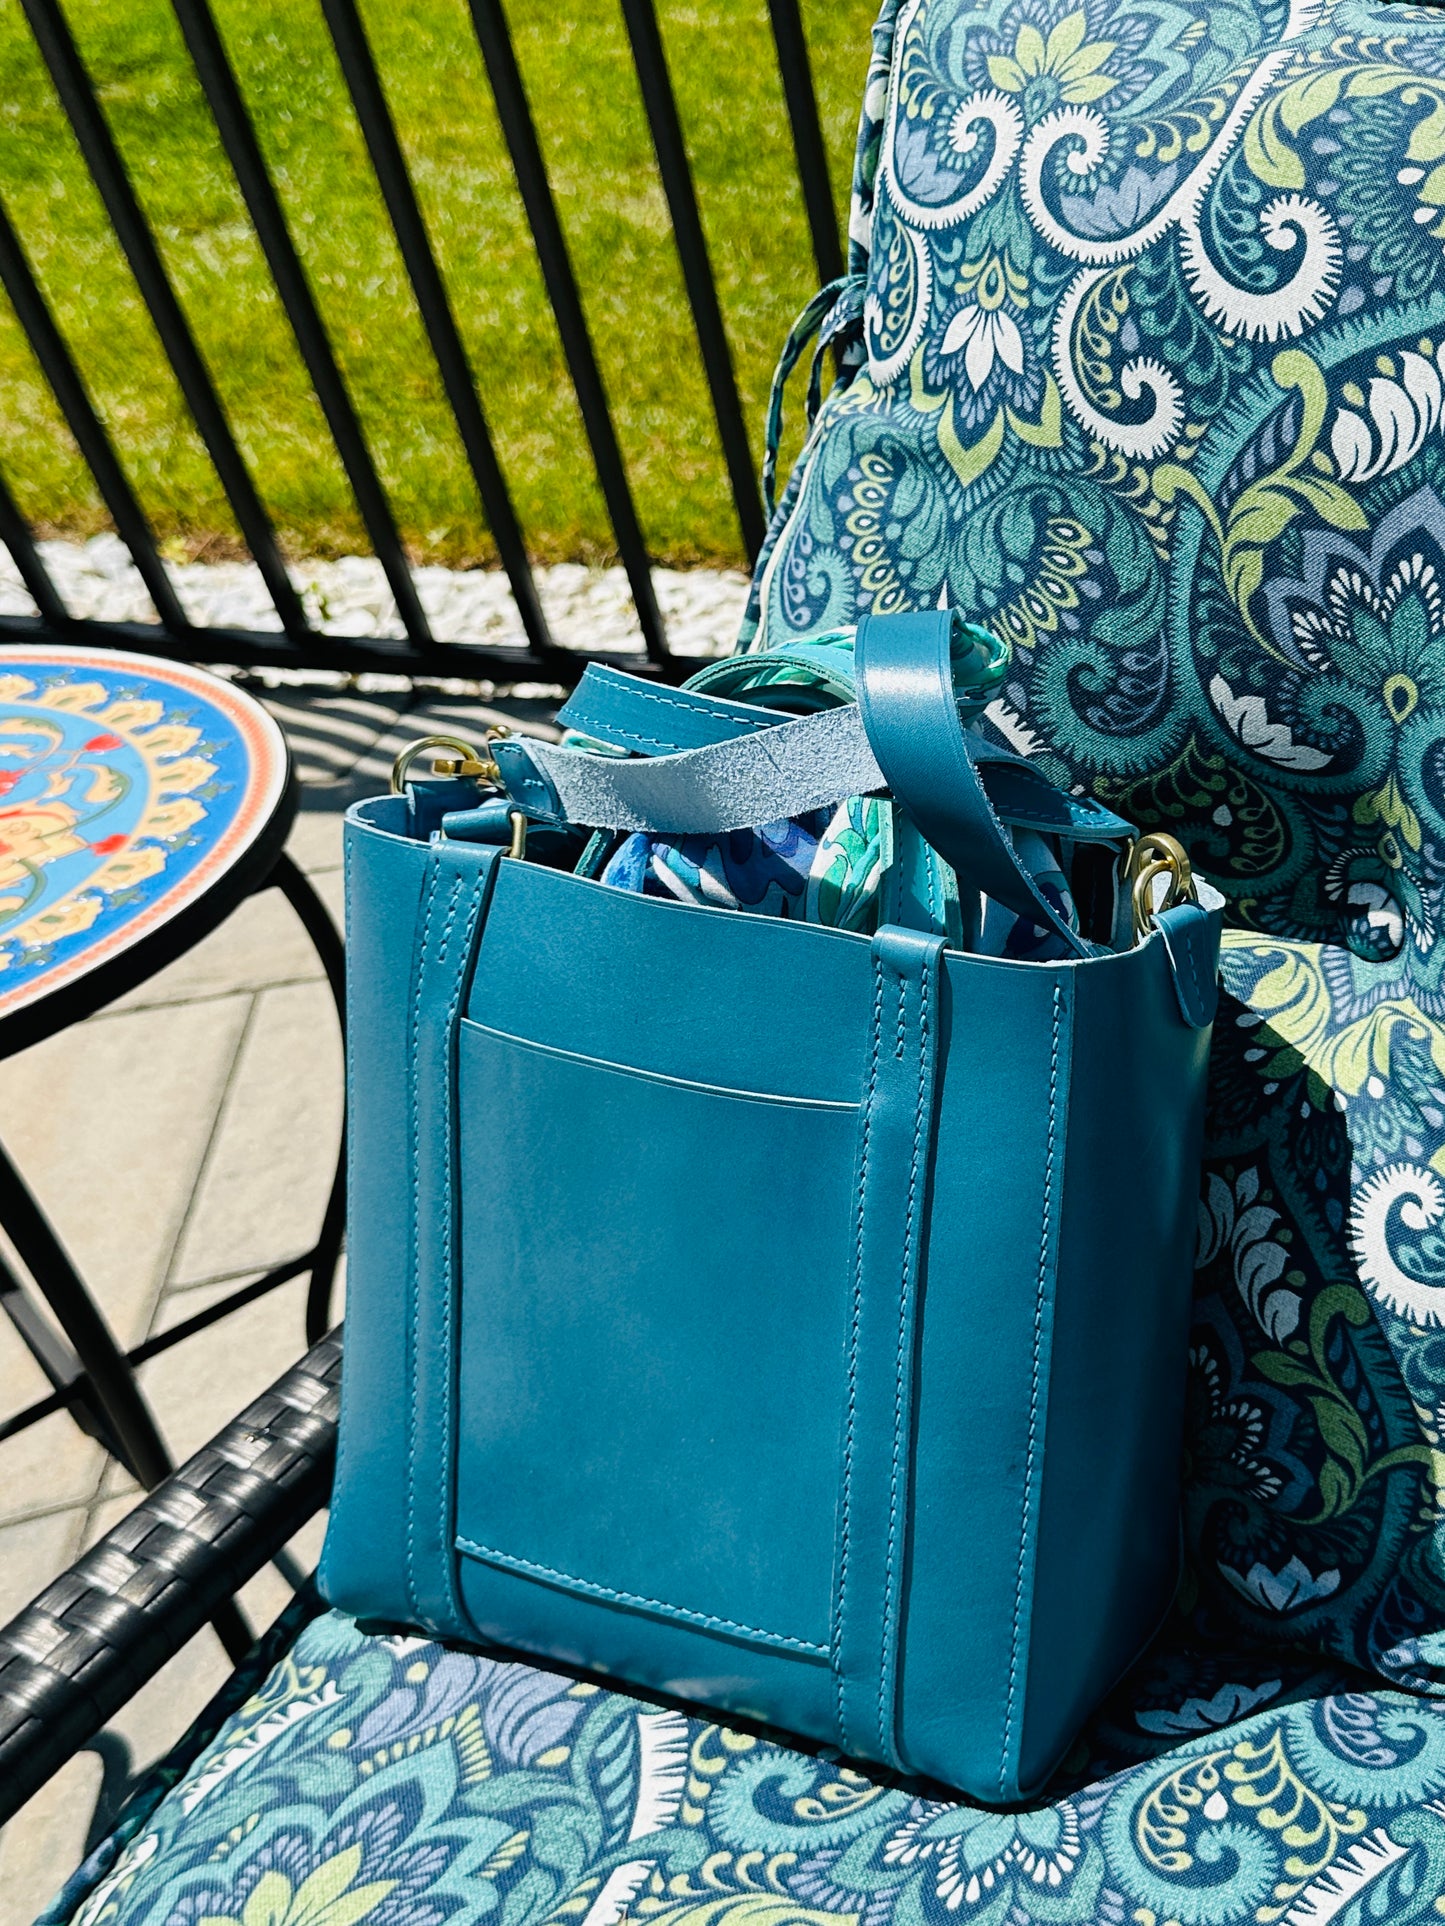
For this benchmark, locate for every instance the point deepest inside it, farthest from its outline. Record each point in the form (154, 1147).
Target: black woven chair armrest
(93, 1637)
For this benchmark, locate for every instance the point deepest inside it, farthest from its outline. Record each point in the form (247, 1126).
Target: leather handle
(904, 670)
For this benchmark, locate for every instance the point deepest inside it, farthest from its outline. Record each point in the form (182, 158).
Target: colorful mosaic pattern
(128, 787)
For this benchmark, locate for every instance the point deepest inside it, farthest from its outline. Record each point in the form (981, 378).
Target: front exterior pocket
(650, 1371)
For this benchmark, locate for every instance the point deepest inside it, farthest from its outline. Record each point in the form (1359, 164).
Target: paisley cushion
(388, 1782)
(1150, 378)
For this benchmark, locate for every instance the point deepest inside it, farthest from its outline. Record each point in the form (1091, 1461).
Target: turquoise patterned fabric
(1149, 377)
(826, 866)
(823, 867)
(377, 1781)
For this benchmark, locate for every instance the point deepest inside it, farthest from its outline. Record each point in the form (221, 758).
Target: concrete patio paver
(28, 1545)
(264, 1187)
(108, 1123)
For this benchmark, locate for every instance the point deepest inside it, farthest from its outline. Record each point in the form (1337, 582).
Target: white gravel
(589, 608)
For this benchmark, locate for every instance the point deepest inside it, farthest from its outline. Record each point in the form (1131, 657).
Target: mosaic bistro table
(140, 802)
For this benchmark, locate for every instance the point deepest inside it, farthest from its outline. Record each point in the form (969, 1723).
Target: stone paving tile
(264, 1187)
(315, 840)
(50, 1464)
(108, 1123)
(46, 1840)
(261, 942)
(329, 885)
(44, 1545)
(207, 1378)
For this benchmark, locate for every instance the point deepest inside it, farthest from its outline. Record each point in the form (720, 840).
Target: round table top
(139, 801)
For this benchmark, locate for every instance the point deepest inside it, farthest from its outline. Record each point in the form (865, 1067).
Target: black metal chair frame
(88, 1643)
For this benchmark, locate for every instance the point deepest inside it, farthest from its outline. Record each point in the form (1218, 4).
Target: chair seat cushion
(373, 1780)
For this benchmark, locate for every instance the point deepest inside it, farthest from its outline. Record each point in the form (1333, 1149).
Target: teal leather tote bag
(773, 1316)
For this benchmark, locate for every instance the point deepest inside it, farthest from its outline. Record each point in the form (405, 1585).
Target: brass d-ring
(467, 761)
(1153, 856)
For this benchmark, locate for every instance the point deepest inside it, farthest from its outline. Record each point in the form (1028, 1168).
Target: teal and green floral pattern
(377, 1781)
(1150, 378)
(1151, 383)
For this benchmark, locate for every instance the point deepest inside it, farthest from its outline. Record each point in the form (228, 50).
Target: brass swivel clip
(1150, 858)
(466, 761)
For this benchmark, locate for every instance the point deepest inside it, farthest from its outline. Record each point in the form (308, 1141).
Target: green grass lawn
(584, 94)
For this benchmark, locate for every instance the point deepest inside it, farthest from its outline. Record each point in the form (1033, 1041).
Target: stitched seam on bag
(673, 702)
(1188, 949)
(614, 1068)
(876, 1034)
(890, 1627)
(413, 1320)
(351, 1031)
(1044, 1244)
(610, 731)
(510, 1560)
(449, 1254)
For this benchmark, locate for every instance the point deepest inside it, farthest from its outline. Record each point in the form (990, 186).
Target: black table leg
(56, 1359)
(112, 1387)
(315, 918)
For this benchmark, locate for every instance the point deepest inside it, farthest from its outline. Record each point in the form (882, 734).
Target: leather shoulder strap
(904, 670)
(648, 720)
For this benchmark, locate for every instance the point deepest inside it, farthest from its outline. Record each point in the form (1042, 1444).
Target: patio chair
(1140, 360)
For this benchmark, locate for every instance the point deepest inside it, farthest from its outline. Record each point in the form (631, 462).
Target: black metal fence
(299, 645)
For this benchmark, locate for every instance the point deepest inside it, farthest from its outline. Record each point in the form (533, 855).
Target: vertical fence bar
(650, 59)
(520, 134)
(85, 424)
(238, 137)
(358, 65)
(797, 74)
(15, 534)
(77, 97)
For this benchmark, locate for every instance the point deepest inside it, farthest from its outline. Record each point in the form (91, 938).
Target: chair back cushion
(1150, 378)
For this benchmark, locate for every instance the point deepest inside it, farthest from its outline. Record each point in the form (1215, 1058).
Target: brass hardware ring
(467, 760)
(1153, 856)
